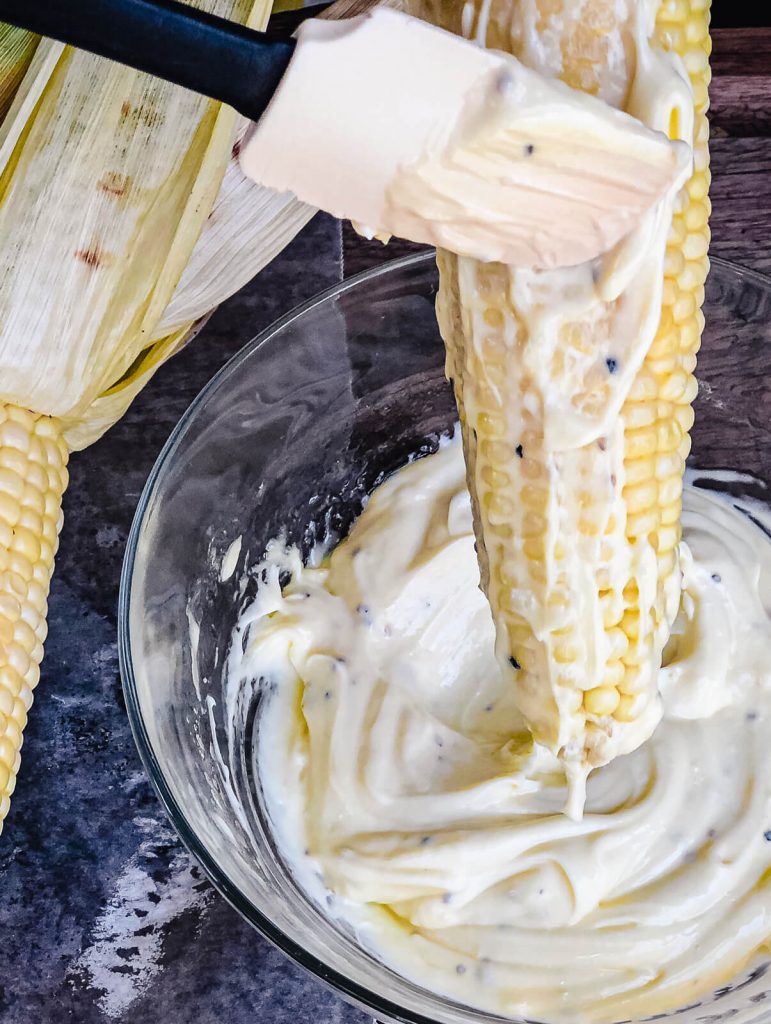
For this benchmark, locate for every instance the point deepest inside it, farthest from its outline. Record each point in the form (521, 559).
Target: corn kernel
(612, 609)
(642, 523)
(630, 707)
(670, 490)
(614, 673)
(641, 496)
(32, 477)
(618, 643)
(641, 443)
(603, 700)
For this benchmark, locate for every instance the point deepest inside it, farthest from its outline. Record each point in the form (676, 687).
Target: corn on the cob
(124, 218)
(575, 445)
(33, 478)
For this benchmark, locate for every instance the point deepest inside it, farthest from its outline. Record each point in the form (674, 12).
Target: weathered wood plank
(741, 201)
(741, 85)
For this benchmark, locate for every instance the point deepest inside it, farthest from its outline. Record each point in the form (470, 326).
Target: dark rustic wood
(741, 52)
(741, 107)
(741, 201)
(360, 254)
(741, 89)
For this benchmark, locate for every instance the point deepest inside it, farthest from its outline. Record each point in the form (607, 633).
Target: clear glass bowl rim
(334, 979)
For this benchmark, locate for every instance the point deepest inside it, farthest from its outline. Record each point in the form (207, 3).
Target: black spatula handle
(218, 58)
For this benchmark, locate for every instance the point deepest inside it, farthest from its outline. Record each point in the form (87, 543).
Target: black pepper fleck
(327, 695)
(767, 836)
(612, 364)
(716, 577)
(513, 662)
(447, 897)
(363, 610)
(529, 149)
(460, 969)
(520, 451)
(751, 716)
(489, 707)
(425, 840)
(602, 444)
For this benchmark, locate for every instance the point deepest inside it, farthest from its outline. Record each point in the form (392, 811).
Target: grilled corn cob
(124, 218)
(575, 427)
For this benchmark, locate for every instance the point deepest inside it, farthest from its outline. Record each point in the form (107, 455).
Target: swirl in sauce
(390, 769)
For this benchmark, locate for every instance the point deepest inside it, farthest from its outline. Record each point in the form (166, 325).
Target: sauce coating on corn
(575, 389)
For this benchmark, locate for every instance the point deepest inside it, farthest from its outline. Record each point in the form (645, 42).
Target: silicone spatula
(399, 126)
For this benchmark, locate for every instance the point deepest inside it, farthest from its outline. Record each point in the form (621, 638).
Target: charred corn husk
(124, 218)
(575, 389)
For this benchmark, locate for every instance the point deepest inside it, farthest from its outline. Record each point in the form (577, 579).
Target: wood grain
(741, 87)
(741, 201)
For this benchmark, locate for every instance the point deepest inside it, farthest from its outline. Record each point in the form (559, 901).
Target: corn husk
(124, 218)
(17, 48)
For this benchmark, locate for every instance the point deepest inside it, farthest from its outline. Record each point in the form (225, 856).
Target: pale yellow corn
(572, 701)
(33, 478)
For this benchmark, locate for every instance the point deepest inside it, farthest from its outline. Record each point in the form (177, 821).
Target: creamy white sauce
(396, 765)
(230, 560)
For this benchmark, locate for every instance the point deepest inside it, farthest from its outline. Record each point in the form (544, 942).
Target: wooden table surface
(741, 158)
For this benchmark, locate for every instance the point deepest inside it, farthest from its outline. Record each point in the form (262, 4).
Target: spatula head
(412, 131)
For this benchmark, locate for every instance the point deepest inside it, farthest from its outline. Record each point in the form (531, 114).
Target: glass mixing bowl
(290, 437)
